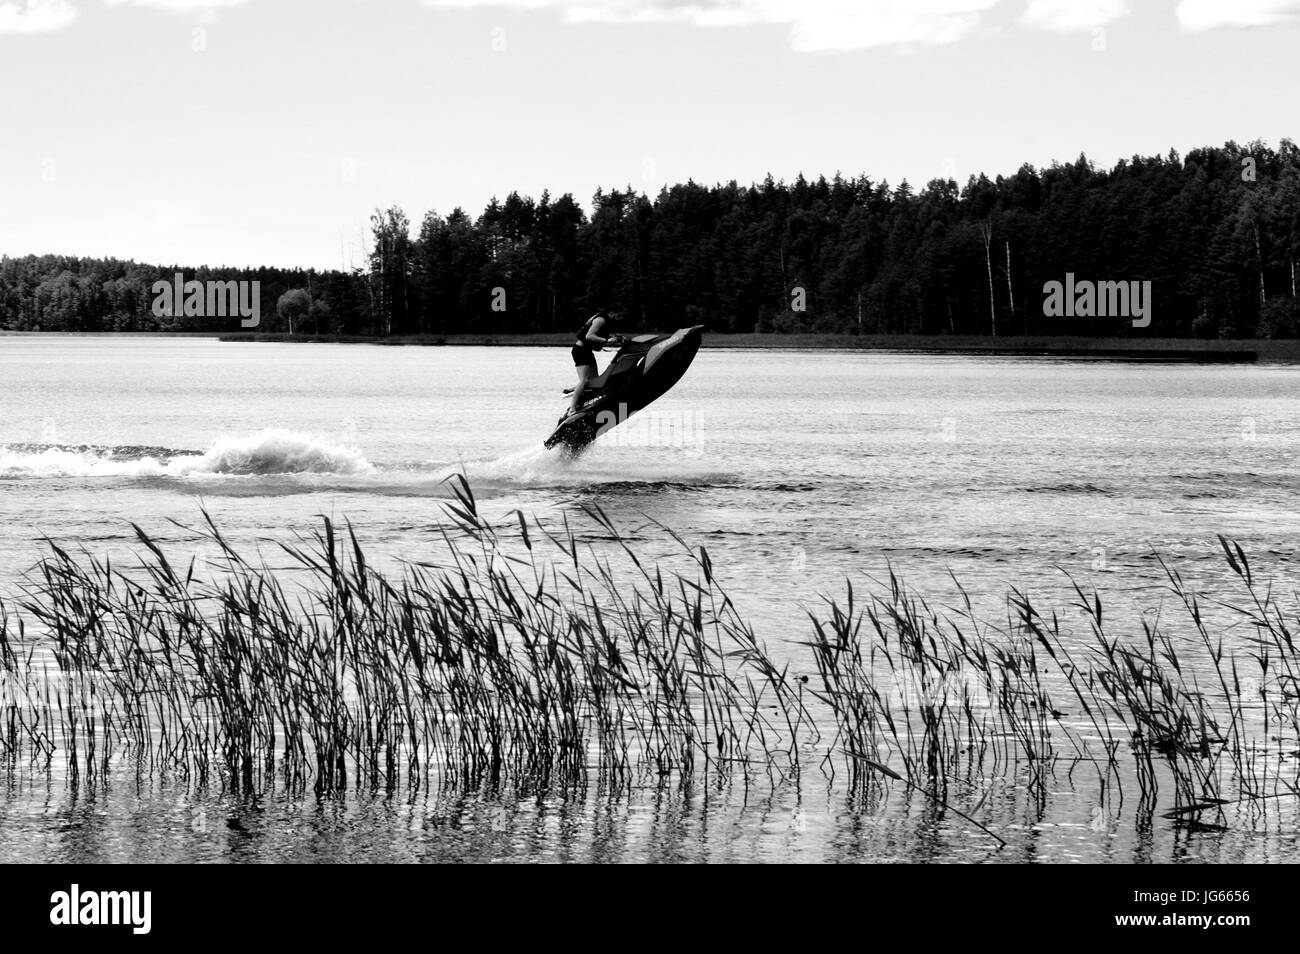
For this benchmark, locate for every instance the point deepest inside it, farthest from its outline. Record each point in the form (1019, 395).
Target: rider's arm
(595, 339)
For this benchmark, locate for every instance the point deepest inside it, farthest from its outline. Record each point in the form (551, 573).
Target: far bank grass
(1134, 348)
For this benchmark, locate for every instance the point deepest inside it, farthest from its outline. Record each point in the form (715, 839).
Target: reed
(1217, 719)
(515, 656)
(489, 667)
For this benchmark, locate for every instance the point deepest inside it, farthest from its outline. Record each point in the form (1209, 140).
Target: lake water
(796, 470)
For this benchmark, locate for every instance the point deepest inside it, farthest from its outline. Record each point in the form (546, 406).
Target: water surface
(795, 469)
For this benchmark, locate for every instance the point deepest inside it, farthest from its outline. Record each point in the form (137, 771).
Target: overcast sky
(264, 131)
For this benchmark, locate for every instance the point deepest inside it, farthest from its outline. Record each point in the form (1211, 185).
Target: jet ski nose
(677, 350)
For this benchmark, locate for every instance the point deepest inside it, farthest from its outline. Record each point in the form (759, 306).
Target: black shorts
(583, 356)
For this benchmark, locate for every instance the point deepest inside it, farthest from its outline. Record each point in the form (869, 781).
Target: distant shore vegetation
(1215, 232)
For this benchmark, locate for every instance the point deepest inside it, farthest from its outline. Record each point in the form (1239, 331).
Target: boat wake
(541, 468)
(269, 452)
(291, 462)
(276, 451)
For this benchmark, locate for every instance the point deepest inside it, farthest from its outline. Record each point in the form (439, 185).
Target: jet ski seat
(596, 383)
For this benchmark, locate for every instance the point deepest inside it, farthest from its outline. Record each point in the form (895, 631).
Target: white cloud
(45, 16)
(854, 26)
(178, 6)
(1068, 16)
(1198, 15)
(814, 24)
(36, 16)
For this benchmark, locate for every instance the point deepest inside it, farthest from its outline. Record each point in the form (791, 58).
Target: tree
(986, 233)
(390, 269)
(293, 305)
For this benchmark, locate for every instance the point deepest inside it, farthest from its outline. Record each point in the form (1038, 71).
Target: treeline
(1217, 233)
(64, 293)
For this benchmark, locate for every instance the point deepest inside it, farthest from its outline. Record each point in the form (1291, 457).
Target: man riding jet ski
(642, 370)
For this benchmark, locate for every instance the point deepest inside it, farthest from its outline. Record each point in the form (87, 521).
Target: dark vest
(586, 326)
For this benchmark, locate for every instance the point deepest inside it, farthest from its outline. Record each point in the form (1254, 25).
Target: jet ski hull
(640, 373)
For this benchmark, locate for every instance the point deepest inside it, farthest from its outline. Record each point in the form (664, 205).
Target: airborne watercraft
(642, 371)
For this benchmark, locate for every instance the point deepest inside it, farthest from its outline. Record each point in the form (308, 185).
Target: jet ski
(642, 371)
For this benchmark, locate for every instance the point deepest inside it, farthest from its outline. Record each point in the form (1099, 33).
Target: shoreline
(1207, 350)
(1164, 350)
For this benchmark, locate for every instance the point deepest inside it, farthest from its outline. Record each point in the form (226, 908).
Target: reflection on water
(801, 824)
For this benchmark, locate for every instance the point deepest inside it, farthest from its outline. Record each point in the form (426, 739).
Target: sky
(246, 132)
